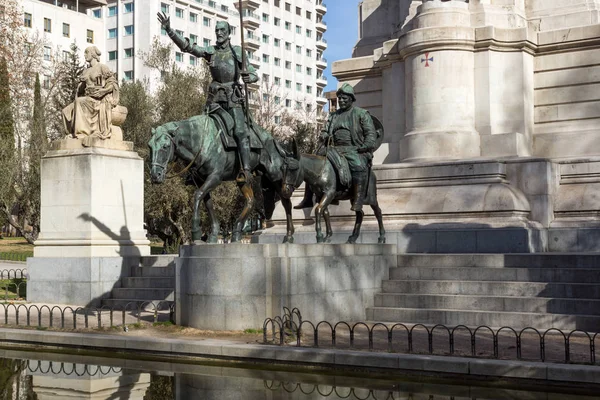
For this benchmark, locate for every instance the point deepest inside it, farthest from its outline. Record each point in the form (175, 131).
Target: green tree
(7, 145)
(67, 72)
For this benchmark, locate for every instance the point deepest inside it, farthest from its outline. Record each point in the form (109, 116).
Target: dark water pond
(25, 375)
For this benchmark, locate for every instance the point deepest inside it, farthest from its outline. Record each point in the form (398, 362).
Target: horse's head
(292, 172)
(162, 151)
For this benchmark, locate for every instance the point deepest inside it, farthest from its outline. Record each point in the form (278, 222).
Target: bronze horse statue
(200, 142)
(318, 173)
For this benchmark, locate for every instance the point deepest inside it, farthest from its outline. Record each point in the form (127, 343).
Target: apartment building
(62, 22)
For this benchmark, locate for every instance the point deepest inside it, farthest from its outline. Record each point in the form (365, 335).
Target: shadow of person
(130, 257)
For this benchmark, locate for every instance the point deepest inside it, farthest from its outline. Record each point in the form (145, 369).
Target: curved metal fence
(13, 284)
(531, 344)
(69, 369)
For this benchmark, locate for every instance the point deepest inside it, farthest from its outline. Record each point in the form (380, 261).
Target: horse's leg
(248, 193)
(379, 217)
(209, 184)
(215, 226)
(325, 201)
(357, 224)
(328, 231)
(287, 205)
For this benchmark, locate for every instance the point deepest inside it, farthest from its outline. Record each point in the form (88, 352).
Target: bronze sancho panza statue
(226, 67)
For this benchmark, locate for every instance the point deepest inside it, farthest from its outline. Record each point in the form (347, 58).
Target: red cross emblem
(427, 59)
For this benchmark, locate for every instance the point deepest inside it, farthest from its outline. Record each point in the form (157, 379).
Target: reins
(169, 174)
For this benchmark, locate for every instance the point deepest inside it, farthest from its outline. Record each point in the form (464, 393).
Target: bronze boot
(359, 180)
(244, 151)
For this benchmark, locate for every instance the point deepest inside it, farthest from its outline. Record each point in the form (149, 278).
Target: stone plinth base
(92, 202)
(237, 286)
(78, 281)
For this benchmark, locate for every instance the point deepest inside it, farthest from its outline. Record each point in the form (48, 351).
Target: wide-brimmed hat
(346, 88)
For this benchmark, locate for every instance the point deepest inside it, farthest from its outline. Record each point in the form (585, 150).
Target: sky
(341, 34)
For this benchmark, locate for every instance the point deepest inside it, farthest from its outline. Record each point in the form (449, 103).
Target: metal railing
(68, 369)
(67, 317)
(578, 346)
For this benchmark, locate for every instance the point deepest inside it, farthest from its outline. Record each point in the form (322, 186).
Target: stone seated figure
(95, 113)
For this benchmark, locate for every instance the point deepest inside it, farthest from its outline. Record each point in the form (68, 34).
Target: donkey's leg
(379, 217)
(328, 231)
(211, 182)
(357, 224)
(323, 204)
(215, 226)
(287, 205)
(248, 193)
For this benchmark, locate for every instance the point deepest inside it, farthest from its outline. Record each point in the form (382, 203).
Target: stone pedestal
(238, 286)
(91, 230)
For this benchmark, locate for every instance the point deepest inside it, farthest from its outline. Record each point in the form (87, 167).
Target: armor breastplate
(222, 66)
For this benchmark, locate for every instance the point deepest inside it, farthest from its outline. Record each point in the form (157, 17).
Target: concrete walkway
(165, 349)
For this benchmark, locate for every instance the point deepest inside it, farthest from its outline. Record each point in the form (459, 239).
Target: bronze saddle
(226, 124)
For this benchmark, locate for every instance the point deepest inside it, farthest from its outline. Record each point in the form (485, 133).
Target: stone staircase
(518, 290)
(153, 280)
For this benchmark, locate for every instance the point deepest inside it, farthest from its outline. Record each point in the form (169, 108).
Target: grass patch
(13, 289)
(15, 249)
(165, 323)
(251, 331)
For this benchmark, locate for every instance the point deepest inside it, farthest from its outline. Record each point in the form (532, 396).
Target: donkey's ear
(295, 150)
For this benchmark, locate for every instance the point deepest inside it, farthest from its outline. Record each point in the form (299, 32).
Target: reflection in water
(130, 379)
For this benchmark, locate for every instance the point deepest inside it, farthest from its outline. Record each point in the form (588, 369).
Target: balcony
(321, 44)
(254, 61)
(251, 20)
(251, 4)
(321, 7)
(321, 26)
(322, 80)
(321, 63)
(252, 41)
(321, 100)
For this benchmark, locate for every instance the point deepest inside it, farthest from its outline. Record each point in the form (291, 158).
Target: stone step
(148, 282)
(143, 293)
(491, 288)
(494, 319)
(159, 261)
(539, 260)
(564, 275)
(133, 304)
(149, 272)
(489, 303)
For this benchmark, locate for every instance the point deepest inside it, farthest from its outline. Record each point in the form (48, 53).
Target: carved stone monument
(92, 199)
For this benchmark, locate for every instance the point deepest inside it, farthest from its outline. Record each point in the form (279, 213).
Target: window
(164, 8)
(298, 11)
(90, 36)
(288, 65)
(277, 99)
(308, 53)
(309, 71)
(47, 53)
(276, 42)
(129, 52)
(308, 15)
(298, 105)
(224, 8)
(178, 56)
(66, 30)
(205, 21)
(308, 107)
(192, 60)
(265, 58)
(277, 119)
(265, 38)
(193, 39)
(288, 103)
(265, 17)
(265, 97)
(193, 17)
(308, 33)
(112, 55)
(288, 46)
(66, 55)
(308, 89)
(178, 12)
(128, 7)
(277, 61)
(277, 81)
(112, 33)
(288, 84)
(163, 31)
(46, 82)
(277, 21)
(97, 13)
(298, 68)
(265, 78)
(128, 75)
(288, 7)
(180, 33)
(298, 49)
(277, 3)
(112, 11)
(288, 25)
(27, 20)
(298, 87)
(47, 25)
(128, 30)
(298, 29)
(206, 42)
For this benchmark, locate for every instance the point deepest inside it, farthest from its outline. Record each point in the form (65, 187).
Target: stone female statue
(92, 114)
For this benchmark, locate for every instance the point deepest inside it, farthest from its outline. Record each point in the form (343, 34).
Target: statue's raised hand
(164, 20)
